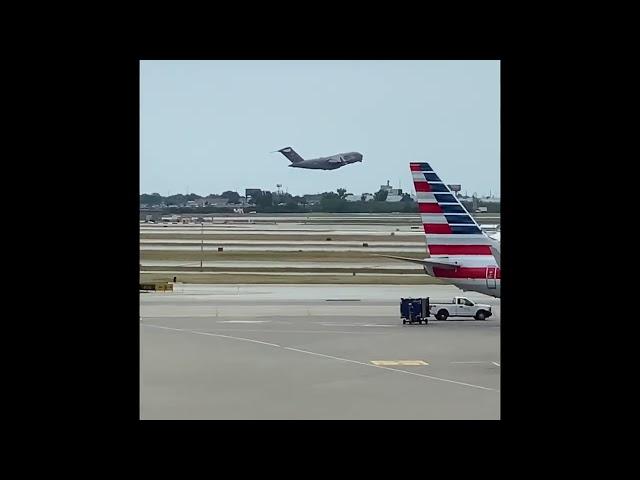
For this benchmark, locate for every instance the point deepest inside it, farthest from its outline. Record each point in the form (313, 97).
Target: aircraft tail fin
(450, 231)
(291, 154)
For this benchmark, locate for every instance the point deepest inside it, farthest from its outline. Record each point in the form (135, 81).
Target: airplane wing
(336, 160)
(440, 262)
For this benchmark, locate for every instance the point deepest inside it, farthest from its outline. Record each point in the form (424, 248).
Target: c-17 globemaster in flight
(322, 163)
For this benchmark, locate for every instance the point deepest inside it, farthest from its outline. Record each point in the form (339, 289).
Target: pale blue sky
(210, 125)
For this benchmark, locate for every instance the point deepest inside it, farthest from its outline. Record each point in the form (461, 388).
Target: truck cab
(460, 307)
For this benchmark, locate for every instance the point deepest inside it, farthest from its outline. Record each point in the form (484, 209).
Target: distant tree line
(180, 199)
(278, 202)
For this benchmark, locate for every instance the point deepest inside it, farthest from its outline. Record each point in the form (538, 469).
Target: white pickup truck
(460, 307)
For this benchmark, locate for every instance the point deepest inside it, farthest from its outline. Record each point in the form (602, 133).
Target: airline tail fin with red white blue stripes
(449, 229)
(459, 251)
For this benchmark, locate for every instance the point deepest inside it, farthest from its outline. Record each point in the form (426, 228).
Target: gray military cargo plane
(322, 163)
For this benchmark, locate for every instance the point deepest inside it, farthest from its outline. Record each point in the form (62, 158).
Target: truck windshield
(469, 303)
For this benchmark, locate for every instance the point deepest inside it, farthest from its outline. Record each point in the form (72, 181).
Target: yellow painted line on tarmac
(407, 363)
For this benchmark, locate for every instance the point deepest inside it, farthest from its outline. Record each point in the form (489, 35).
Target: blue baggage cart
(414, 310)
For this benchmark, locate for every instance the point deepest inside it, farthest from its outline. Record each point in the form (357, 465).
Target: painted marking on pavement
(243, 321)
(329, 356)
(399, 362)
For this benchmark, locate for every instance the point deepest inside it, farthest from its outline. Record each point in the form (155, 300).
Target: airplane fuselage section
(329, 163)
(483, 279)
(317, 164)
(480, 286)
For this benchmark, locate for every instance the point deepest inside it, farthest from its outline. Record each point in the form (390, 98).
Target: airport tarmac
(288, 241)
(278, 243)
(377, 264)
(313, 352)
(281, 229)
(308, 219)
(420, 249)
(305, 274)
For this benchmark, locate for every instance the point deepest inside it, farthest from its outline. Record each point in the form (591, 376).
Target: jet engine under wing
(336, 160)
(440, 262)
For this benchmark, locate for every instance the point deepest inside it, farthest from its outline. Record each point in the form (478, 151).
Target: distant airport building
(364, 197)
(391, 191)
(252, 193)
(313, 199)
(218, 202)
(393, 197)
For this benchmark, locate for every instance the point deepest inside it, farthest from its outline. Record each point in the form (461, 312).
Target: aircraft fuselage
(329, 163)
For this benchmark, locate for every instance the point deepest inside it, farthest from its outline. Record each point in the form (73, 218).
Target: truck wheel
(480, 315)
(442, 315)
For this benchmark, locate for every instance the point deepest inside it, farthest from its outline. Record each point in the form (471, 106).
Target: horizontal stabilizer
(440, 262)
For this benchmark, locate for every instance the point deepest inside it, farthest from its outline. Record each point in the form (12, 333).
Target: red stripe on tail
(436, 228)
(460, 250)
(429, 208)
(421, 186)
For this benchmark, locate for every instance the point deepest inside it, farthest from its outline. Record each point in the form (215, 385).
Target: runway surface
(290, 248)
(313, 352)
(318, 243)
(378, 264)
